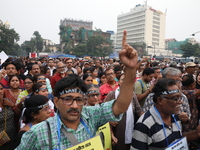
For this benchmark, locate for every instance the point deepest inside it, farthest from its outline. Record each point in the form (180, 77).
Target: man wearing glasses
(69, 64)
(160, 127)
(61, 73)
(110, 85)
(75, 119)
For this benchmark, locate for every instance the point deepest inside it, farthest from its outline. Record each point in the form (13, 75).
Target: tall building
(113, 38)
(143, 24)
(76, 24)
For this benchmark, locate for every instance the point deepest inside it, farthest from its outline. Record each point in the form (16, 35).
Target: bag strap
(49, 135)
(70, 136)
(141, 83)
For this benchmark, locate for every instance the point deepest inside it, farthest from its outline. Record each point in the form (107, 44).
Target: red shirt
(105, 89)
(55, 79)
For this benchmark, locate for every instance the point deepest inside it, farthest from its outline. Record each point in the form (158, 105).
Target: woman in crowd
(102, 77)
(87, 78)
(93, 94)
(7, 119)
(95, 76)
(13, 92)
(28, 84)
(37, 110)
(40, 88)
(11, 95)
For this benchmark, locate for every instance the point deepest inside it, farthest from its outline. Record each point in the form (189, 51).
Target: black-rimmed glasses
(68, 100)
(176, 99)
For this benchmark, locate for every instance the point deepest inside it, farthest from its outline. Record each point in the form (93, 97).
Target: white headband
(66, 91)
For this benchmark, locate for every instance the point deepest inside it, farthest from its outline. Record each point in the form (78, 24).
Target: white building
(143, 24)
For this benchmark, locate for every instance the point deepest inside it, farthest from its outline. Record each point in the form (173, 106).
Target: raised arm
(129, 57)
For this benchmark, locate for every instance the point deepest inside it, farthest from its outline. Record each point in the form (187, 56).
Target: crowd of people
(44, 102)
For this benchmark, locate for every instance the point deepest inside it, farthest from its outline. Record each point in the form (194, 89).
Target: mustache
(73, 110)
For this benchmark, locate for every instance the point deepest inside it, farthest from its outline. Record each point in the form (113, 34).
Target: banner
(32, 55)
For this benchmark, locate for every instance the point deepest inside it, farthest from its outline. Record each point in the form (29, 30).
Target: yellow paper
(91, 144)
(106, 135)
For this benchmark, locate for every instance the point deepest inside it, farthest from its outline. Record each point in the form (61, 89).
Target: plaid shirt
(184, 107)
(93, 116)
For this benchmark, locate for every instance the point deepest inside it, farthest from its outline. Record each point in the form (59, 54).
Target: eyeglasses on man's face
(177, 99)
(69, 100)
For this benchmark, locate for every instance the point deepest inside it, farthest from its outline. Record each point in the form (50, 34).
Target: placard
(91, 144)
(104, 132)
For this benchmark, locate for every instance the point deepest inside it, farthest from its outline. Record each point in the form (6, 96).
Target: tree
(79, 50)
(37, 40)
(28, 46)
(98, 46)
(9, 37)
(190, 49)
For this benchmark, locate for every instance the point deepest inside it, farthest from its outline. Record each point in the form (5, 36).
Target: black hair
(86, 69)
(155, 68)
(17, 67)
(32, 104)
(147, 71)
(36, 77)
(101, 74)
(187, 80)
(43, 69)
(85, 76)
(162, 85)
(37, 86)
(29, 66)
(29, 77)
(72, 81)
(117, 68)
(12, 77)
(54, 71)
(92, 69)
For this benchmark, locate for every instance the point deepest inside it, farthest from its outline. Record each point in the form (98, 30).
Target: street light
(195, 33)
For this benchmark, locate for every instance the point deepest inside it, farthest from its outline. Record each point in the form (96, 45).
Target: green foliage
(190, 49)
(34, 45)
(37, 41)
(8, 39)
(79, 50)
(65, 32)
(82, 42)
(98, 46)
(28, 46)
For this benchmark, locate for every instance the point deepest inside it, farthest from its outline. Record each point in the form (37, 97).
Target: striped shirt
(149, 134)
(93, 116)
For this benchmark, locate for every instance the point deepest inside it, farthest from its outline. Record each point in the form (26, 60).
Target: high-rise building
(143, 24)
(76, 24)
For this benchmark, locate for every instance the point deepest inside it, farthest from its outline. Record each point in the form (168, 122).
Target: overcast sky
(27, 16)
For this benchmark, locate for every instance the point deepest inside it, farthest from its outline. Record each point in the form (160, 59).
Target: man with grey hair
(59, 75)
(175, 74)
